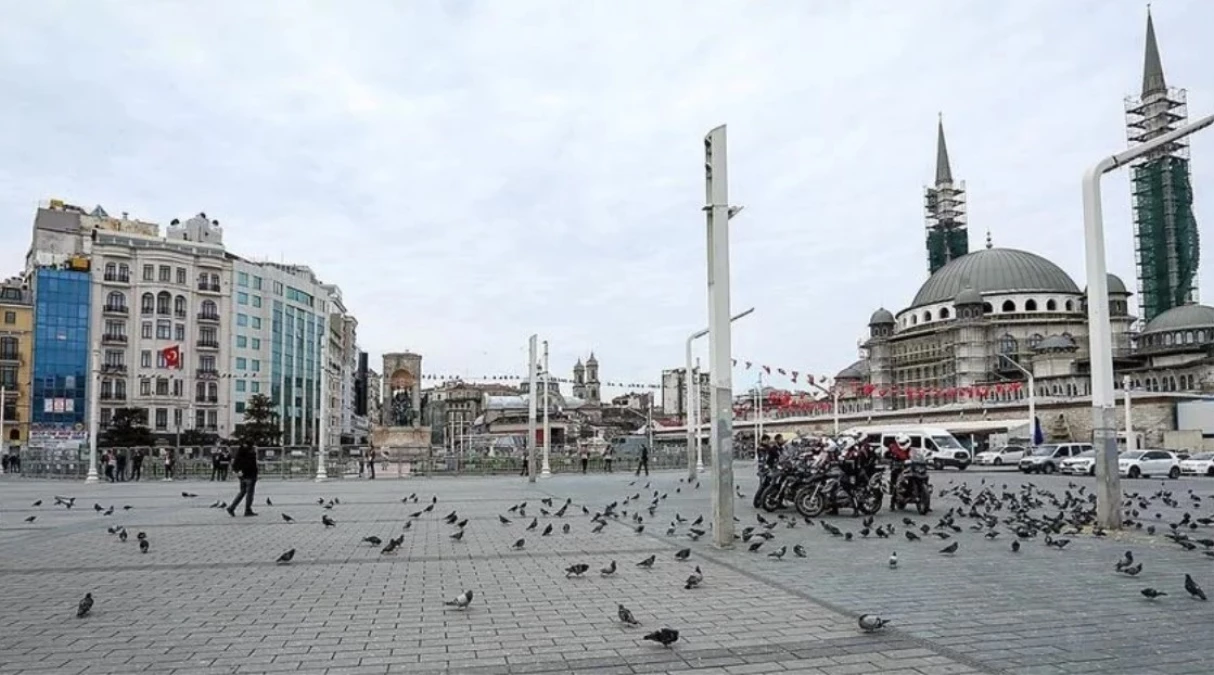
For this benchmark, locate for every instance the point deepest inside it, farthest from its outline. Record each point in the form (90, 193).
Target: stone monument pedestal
(401, 448)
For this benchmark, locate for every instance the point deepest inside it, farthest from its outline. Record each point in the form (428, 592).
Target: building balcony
(206, 399)
(113, 368)
(113, 339)
(11, 358)
(179, 313)
(113, 396)
(208, 344)
(120, 310)
(207, 374)
(208, 316)
(117, 278)
(208, 288)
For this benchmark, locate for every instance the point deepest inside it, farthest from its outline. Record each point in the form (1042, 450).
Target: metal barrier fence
(347, 462)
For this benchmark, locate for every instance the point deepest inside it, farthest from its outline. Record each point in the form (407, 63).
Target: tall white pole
(698, 408)
(322, 473)
(759, 409)
(1104, 400)
(546, 472)
(720, 336)
(3, 442)
(531, 401)
(94, 413)
(835, 406)
(693, 439)
(1032, 409)
(1131, 442)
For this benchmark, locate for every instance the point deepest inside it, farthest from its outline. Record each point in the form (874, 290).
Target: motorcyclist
(899, 454)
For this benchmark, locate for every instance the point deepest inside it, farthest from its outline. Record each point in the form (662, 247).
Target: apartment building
(16, 362)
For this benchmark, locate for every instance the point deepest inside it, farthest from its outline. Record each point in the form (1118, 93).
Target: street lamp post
(531, 363)
(1104, 398)
(322, 473)
(94, 413)
(1131, 443)
(695, 456)
(546, 471)
(759, 410)
(1032, 384)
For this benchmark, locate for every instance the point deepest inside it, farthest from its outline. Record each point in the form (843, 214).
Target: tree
(195, 438)
(260, 426)
(128, 429)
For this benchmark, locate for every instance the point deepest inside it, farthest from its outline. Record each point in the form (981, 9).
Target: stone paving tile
(210, 591)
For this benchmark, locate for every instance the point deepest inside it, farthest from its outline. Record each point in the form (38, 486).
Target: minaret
(947, 236)
(1165, 232)
(579, 380)
(592, 379)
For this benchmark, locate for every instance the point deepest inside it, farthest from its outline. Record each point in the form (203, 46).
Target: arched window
(163, 300)
(1030, 305)
(179, 306)
(1007, 344)
(944, 313)
(209, 309)
(120, 388)
(110, 270)
(927, 316)
(1169, 339)
(1051, 305)
(986, 308)
(213, 390)
(115, 300)
(1188, 337)
(147, 303)
(914, 320)
(200, 390)
(1009, 306)
(124, 270)
(1070, 306)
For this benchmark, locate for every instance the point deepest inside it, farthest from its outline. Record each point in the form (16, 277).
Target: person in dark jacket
(245, 465)
(644, 463)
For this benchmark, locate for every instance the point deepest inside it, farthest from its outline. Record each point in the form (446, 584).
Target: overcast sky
(472, 172)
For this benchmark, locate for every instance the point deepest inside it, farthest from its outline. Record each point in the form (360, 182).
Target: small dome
(1056, 343)
(592, 361)
(968, 296)
(1116, 286)
(994, 270)
(1181, 318)
(881, 317)
(856, 371)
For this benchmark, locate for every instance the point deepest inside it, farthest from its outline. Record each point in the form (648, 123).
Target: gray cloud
(471, 172)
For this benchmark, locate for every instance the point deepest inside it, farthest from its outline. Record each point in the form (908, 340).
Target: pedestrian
(108, 462)
(4, 461)
(121, 468)
(526, 465)
(137, 465)
(362, 464)
(245, 465)
(225, 461)
(370, 453)
(607, 458)
(585, 458)
(168, 463)
(644, 463)
(214, 465)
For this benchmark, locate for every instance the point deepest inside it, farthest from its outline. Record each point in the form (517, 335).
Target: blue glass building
(61, 349)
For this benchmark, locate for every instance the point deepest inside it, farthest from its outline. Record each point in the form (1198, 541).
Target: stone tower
(880, 373)
(971, 357)
(579, 380)
(944, 206)
(402, 390)
(592, 379)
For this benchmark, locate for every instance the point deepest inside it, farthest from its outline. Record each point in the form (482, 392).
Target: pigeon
(695, 579)
(1125, 562)
(268, 502)
(626, 616)
(144, 545)
(951, 548)
(683, 554)
(85, 606)
(576, 570)
(1015, 547)
(754, 548)
(38, 503)
(188, 495)
(798, 551)
(1132, 570)
(608, 570)
(373, 540)
(565, 528)
(287, 518)
(329, 522)
(1193, 589)
(870, 623)
(30, 519)
(286, 557)
(647, 563)
(504, 520)
(778, 554)
(547, 530)
(458, 535)
(122, 535)
(535, 522)
(911, 536)
(664, 637)
(109, 511)
(1151, 593)
(518, 545)
(460, 601)
(893, 560)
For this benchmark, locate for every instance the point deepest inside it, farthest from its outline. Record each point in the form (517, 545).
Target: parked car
(1008, 454)
(1047, 458)
(1201, 464)
(1083, 464)
(1144, 463)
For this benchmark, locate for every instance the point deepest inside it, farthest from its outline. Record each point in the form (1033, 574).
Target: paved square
(208, 597)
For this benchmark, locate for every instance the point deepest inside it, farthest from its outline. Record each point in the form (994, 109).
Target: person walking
(168, 463)
(214, 465)
(245, 465)
(137, 465)
(107, 460)
(370, 455)
(644, 463)
(585, 458)
(608, 456)
(121, 468)
(225, 461)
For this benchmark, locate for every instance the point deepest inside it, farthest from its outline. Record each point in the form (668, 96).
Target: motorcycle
(913, 486)
(780, 484)
(828, 489)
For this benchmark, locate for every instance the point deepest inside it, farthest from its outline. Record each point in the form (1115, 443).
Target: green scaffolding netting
(945, 245)
(1165, 233)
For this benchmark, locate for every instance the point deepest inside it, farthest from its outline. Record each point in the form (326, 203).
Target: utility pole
(546, 472)
(531, 401)
(759, 410)
(718, 212)
(94, 413)
(322, 474)
(1131, 443)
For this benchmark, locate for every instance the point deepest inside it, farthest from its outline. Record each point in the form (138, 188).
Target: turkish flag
(172, 356)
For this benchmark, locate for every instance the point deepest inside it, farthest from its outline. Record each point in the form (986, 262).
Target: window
(277, 288)
(1034, 340)
(214, 281)
(147, 303)
(212, 419)
(177, 418)
(256, 343)
(145, 358)
(163, 300)
(208, 336)
(243, 364)
(145, 387)
(240, 385)
(179, 306)
(115, 328)
(166, 274)
(1008, 306)
(179, 332)
(8, 377)
(113, 357)
(212, 391)
(242, 298)
(242, 341)
(164, 330)
(239, 407)
(177, 387)
(257, 322)
(1030, 305)
(200, 391)
(927, 316)
(242, 319)
(115, 300)
(255, 387)
(162, 386)
(1007, 344)
(110, 270)
(8, 347)
(257, 283)
(256, 365)
(162, 418)
(257, 301)
(149, 273)
(943, 315)
(1070, 306)
(10, 317)
(207, 363)
(242, 279)
(181, 275)
(1051, 305)
(200, 419)
(209, 308)
(124, 271)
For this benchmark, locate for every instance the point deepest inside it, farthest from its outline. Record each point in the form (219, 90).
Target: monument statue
(402, 409)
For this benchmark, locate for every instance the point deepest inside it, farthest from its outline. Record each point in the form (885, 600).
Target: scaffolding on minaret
(1166, 243)
(944, 206)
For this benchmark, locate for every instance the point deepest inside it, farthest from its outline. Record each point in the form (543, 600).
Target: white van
(942, 448)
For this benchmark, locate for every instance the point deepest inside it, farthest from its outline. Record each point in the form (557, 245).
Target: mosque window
(927, 316)
(943, 313)
(1169, 339)
(986, 308)
(1034, 340)
(1007, 344)
(1070, 306)
(1051, 305)
(1188, 337)
(1030, 305)
(1009, 306)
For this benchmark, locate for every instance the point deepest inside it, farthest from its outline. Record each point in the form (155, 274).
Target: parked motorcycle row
(819, 476)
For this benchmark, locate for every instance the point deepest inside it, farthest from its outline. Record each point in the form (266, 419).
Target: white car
(1007, 455)
(1083, 464)
(1201, 464)
(1140, 463)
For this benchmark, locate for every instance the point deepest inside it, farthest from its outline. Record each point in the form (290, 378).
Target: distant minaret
(579, 380)
(592, 379)
(1165, 232)
(947, 236)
